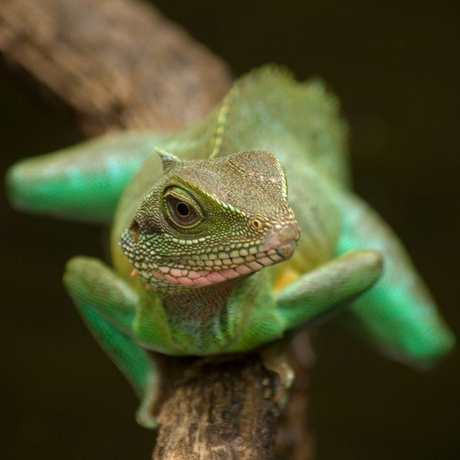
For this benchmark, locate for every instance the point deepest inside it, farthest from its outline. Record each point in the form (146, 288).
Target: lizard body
(201, 230)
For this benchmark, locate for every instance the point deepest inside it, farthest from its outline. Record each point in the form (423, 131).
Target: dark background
(395, 66)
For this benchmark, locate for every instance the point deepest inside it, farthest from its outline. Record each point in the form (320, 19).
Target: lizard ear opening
(169, 160)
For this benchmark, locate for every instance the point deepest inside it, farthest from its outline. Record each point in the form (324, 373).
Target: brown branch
(225, 410)
(112, 64)
(231, 409)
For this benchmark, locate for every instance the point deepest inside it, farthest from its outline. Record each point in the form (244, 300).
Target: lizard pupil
(182, 212)
(183, 209)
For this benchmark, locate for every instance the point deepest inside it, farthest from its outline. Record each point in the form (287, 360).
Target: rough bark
(235, 408)
(217, 411)
(112, 64)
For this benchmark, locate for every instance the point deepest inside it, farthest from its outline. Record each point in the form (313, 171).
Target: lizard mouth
(278, 246)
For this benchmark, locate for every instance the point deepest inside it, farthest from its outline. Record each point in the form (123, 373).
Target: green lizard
(201, 226)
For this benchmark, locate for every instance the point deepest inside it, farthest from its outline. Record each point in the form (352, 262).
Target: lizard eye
(183, 213)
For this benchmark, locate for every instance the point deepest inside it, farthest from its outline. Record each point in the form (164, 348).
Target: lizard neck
(200, 305)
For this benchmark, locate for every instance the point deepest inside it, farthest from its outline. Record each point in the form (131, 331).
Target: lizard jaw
(278, 246)
(240, 266)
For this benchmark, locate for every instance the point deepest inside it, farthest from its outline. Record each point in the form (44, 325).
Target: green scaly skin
(203, 224)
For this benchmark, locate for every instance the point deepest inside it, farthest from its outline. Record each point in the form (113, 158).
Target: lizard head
(209, 221)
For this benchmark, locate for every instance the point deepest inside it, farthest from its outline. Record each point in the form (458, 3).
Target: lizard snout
(283, 238)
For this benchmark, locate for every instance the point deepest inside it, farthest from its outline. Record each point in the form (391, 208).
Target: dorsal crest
(169, 160)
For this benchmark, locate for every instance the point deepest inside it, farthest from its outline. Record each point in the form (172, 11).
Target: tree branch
(231, 409)
(217, 411)
(115, 64)
(111, 64)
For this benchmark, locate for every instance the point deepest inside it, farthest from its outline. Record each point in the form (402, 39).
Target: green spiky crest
(169, 160)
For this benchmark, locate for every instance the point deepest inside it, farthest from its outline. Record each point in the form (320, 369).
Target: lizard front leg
(108, 306)
(320, 292)
(312, 297)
